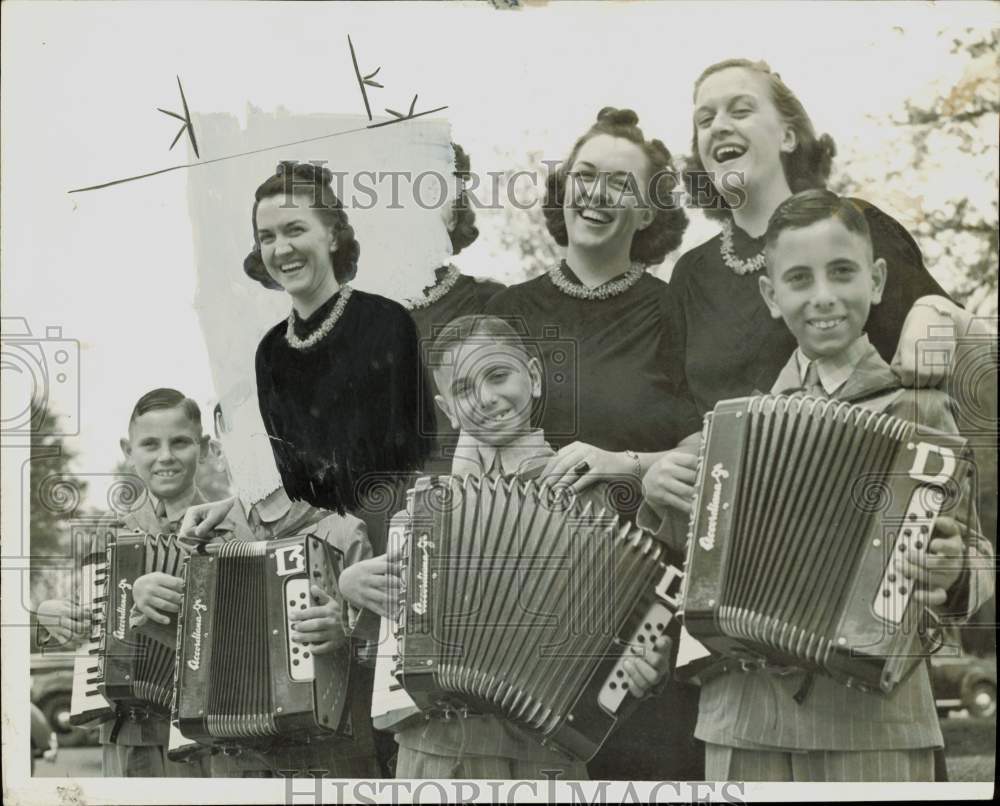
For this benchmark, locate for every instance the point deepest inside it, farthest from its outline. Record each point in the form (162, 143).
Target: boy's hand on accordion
(319, 624)
(670, 482)
(937, 569)
(374, 584)
(63, 620)
(158, 593)
(646, 670)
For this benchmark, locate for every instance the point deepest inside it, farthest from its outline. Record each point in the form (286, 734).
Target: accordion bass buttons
(650, 628)
(913, 535)
(300, 657)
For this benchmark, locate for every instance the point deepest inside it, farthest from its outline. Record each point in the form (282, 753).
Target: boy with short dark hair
(487, 384)
(165, 445)
(274, 517)
(822, 280)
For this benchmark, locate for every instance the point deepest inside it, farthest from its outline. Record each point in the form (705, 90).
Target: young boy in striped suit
(780, 724)
(486, 388)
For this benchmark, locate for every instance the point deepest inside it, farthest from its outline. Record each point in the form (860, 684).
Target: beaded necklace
(748, 266)
(612, 289)
(331, 319)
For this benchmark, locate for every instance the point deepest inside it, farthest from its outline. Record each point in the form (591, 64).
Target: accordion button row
(299, 656)
(616, 685)
(892, 600)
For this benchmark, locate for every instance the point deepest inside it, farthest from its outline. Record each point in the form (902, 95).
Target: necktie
(496, 472)
(811, 385)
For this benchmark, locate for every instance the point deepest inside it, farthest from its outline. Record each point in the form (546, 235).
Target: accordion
(89, 540)
(525, 605)
(241, 680)
(135, 668)
(800, 505)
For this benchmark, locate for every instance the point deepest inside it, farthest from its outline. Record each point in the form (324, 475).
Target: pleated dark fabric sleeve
(907, 279)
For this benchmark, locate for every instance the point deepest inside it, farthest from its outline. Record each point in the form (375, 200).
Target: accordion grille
(154, 665)
(535, 592)
(792, 551)
(240, 698)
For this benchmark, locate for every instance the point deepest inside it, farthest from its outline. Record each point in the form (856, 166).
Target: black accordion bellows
(800, 506)
(136, 666)
(241, 679)
(521, 604)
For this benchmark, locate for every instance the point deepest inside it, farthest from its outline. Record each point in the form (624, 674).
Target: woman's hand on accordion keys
(319, 625)
(580, 465)
(937, 569)
(647, 669)
(158, 593)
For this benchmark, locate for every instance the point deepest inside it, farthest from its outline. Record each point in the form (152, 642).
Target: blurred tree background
(937, 169)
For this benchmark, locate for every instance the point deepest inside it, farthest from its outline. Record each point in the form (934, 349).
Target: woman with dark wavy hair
(339, 381)
(600, 323)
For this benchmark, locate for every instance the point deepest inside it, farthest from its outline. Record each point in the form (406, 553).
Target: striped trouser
(148, 761)
(417, 764)
(723, 763)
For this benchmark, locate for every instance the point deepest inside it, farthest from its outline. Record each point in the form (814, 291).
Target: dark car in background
(52, 693)
(965, 681)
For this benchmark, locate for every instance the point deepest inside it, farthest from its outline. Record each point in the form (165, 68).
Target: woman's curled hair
(806, 168)
(465, 231)
(315, 181)
(652, 244)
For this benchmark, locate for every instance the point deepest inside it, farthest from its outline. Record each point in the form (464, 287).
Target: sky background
(114, 269)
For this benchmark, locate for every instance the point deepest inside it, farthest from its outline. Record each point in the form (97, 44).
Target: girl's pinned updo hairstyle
(664, 233)
(315, 182)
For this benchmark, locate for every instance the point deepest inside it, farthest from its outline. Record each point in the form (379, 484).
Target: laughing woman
(748, 124)
(338, 382)
(601, 325)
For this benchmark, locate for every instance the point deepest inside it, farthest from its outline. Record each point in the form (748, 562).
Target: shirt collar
(173, 511)
(834, 370)
(277, 514)
(475, 458)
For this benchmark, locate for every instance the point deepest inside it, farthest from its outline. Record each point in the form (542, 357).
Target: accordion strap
(803, 692)
(116, 726)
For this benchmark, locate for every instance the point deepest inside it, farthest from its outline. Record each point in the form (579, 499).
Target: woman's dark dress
(351, 415)
(731, 344)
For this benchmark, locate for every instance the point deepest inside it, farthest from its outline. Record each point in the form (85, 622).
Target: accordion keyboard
(87, 703)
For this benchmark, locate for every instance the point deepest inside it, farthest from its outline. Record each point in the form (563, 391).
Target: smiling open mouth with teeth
(825, 324)
(594, 216)
(294, 266)
(728, 152)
